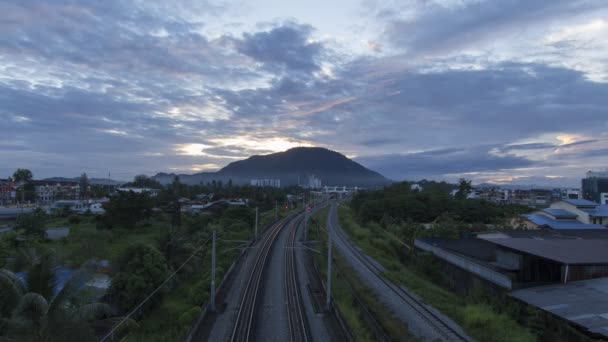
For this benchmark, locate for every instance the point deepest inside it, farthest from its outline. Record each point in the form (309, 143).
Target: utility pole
(306, 225)
(328, 299)
(255, 237)
(212, 293)
(276, 210)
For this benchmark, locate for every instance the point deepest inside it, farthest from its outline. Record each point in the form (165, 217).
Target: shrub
(189, 316)
(33, 223)
(141, 269)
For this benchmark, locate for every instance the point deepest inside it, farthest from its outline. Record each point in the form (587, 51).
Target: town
(538, 250)
(259, 170)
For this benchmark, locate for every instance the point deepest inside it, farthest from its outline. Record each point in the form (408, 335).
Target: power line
(153, 292)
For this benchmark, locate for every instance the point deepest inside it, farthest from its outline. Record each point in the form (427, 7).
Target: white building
(150, 192)
(604, 198)
(272, 182)
(314, 182)
(416, 187)
(570, 193)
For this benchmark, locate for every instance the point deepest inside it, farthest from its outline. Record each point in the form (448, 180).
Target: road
(422, 320)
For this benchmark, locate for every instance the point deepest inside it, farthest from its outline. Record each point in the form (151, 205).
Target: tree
(84, 185)
(143, 181)
(142, 268)
(464, 189)
(22, 175)
(27, 315)
(126, 208)
(33, 223)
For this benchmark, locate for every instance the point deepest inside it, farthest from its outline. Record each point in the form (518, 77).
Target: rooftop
(583, 303)
(581, 202)
(545, 221)
(599, 211)
(559, 213)
(566, 249)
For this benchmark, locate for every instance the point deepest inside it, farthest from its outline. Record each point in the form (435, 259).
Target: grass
(480, 320)
(346, 287)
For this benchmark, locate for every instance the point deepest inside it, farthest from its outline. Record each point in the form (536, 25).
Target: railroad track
(243, 327)
(296, 315)
(443, 328)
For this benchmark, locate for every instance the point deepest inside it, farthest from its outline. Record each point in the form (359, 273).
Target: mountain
(290, 166)
(93, 181)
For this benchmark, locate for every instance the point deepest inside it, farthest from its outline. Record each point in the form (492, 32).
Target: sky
(509, 92)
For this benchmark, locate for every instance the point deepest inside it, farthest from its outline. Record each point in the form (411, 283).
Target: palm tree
(26, 315)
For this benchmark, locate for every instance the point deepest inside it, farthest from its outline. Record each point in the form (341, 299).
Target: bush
(189, 316)
(141, 269)
(74, 219)
(33, 223)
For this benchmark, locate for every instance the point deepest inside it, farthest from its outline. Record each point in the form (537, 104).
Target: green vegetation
(144, 239)
(32, 224)
(34, 311)
(481, 319)
(350, 295)
(398, 203)
(141, 269)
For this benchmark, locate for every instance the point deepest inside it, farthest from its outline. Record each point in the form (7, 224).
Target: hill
(93, 181)
(331, 167)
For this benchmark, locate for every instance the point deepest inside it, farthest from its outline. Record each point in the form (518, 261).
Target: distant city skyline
(510, 92)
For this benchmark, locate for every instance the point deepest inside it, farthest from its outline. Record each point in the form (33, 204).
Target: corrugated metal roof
(567, 251)
(600, 211)
(580, 202)
(559, 213)
(583, 303)
(545, 221)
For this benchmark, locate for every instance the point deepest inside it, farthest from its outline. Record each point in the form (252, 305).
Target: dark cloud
(434, 164)
(123, 86)
(285, 47)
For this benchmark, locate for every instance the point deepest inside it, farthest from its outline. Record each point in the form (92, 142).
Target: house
(569, 214)
(586, 211)
(518, 259)
(97, 208)
(564, 273)
(149, 191)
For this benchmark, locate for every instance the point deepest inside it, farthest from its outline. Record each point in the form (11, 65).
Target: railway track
(296, 315)
(444, 329)
(243, 327)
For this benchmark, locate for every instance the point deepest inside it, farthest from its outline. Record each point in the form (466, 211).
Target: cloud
(285, 48)
(429, 27)
(120, 85)
(436, 163)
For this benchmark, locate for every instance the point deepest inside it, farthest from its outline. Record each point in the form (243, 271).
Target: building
(7, 191)
(519, 259)
(149, 191)
(271, 182)
(563, 273)
(50, 191)
(314, 182)
(594, 185)
(586, 211)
